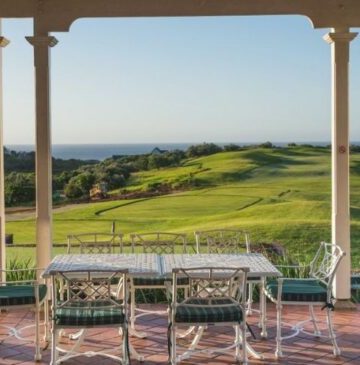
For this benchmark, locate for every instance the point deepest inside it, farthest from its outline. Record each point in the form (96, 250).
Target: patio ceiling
(58, 15)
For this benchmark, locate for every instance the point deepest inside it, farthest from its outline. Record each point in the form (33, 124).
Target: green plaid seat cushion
(11, 295)
(88, 314)
(295, 290)
(147, 281)
(205, 313)
(355, 282)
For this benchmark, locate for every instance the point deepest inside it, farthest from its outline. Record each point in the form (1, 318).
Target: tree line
(74, 178)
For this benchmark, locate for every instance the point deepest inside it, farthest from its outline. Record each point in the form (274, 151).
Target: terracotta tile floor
(299, 350)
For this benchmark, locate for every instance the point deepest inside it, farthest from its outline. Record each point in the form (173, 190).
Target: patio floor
(298, 350)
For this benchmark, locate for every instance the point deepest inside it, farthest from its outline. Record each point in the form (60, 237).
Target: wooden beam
(58, 15)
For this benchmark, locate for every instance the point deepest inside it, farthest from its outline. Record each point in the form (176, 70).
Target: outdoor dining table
(153, 265)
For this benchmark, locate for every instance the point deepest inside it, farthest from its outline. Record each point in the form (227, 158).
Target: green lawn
(279, 195)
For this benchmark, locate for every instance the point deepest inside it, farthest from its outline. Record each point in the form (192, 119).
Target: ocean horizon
(103, 151)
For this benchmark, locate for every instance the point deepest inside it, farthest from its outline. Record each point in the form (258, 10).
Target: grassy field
(278, 195)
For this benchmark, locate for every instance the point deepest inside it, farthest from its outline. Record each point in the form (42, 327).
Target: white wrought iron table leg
(250, 299)
(263, 308)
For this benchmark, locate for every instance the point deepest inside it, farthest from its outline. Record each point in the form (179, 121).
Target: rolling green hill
(279, 195)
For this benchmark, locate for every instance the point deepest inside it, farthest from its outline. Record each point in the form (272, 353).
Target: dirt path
(22, 213)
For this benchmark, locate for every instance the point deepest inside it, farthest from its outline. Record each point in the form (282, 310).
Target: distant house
(158, 151)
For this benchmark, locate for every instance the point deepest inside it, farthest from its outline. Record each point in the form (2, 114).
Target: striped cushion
(20, 294)
(87, 314)
(205, 313)
(145, 281)
(355, 282)
(295, 290)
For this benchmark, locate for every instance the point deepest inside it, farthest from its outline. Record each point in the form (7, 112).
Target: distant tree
(266, 145)
(231, 147)
(79, 185)
(142, 163)
(292, 144)
(157, 161)
(354, 148)
(203, 149)
(19, 188)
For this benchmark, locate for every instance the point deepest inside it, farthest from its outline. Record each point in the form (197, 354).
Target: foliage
(19, 188)
(266, 145)
(25, 267)
(80, 185)
(204, 149)
(231, 147)
(25, 162)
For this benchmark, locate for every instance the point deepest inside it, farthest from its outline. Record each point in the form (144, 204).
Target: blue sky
(243, 79)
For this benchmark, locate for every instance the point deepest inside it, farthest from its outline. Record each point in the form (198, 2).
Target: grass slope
(281, 195)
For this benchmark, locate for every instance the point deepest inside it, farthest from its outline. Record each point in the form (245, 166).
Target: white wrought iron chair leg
(132, 307)
(132, 329)
(173, 345)
(197, 338)
(54, 351)
(244, 347)
(250, 299)
(237, 343)
(46, 321)
(75, 336)
(37, 333)
(188, 332)
(332, 335)
(317, 332)
(124, 345)
(278, 352)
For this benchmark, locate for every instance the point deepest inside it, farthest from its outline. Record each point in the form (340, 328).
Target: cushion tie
(328, 305)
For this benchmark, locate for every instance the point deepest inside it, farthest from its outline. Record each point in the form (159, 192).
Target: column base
(345, 304)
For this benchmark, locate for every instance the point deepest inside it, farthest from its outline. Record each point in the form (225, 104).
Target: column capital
(344, 37)
(42, 41)
(4, 42)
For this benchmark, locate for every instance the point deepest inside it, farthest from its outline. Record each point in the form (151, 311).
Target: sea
(103, 151)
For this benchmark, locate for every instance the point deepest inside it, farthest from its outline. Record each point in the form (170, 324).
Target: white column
(340, 43)
(42, 46)
(3, 43)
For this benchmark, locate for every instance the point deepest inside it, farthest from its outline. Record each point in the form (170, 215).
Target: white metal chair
(313, 291)
(23, 290)
(89, 303)
(217, 297)
(228, 241)
(157, 243)
(95, 243)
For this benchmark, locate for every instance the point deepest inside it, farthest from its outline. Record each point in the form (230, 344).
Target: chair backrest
(226, 241)
(325, 262)
(211, 284)
(88, 287)
(158, 242)
(96, 243)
